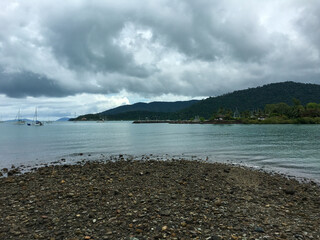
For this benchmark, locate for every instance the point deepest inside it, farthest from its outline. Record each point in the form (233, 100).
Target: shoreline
(150, 199)
(187, 122)
(82, 158)
(229, 122)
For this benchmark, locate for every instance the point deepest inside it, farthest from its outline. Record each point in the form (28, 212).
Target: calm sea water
(290, 149)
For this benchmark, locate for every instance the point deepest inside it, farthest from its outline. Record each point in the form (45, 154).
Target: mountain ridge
(255, 98)
(156, 106)
(241, 100)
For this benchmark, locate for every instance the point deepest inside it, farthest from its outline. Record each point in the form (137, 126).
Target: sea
(288, 149)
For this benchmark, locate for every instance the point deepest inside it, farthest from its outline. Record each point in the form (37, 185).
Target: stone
(165, 213)
(289, 191)
(258, 229)
(164, 228)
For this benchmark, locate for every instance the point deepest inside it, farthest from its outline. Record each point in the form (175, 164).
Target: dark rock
(289, 191)
(213, 237)
(13, 171)
(258, 229)
(165, 213)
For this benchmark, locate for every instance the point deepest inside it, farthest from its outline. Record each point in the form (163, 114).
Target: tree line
(274, 113)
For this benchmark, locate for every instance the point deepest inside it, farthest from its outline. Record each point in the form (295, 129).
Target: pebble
(149, 199)
(164, 228)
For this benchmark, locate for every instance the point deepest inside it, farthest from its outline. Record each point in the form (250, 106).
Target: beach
(150, 199)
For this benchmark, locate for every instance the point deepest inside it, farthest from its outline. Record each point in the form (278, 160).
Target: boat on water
(19, 121)
(35, 121)
(102, 119)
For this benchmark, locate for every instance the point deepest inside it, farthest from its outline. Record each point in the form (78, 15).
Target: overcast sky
(76, 56)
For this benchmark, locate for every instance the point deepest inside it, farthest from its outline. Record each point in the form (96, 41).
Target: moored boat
(35, 121)
(19, 121)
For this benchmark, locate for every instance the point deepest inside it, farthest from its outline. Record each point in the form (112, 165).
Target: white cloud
(54, 108)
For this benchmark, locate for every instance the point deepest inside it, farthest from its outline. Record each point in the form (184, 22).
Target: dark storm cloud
(19, 85)
(83, 39)
(308, 24)
(209, 30)
(190, 48)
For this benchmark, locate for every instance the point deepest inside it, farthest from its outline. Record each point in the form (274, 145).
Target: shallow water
(290, 149)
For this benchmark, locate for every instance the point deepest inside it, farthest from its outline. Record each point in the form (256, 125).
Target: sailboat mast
(18, 115)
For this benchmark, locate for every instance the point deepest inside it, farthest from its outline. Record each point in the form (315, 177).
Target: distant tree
(214, 116)
(296, 102)
(228, 115)
(312, 110)
(245, 114)
(313, 105)
(278, 109)
(221, 111)
(296, 111)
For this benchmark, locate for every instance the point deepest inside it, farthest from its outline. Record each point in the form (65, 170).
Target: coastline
(270, 121)
(173, 199)
(186, 122)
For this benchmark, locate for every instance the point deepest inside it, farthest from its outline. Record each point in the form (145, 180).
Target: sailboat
(35, 121)
(19, 121)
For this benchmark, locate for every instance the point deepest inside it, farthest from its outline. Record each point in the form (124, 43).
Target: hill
(160, 107)
(153, 110)
(254, 98)
(62, 119)
(242, 100)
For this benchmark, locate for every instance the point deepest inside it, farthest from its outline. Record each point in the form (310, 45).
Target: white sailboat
(19, 121)
(35, 121)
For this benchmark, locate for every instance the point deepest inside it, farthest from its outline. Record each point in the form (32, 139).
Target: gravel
(172, 199)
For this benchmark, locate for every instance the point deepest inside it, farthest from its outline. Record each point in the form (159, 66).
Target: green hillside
(254, 99)
(153, 110)
(244, 100)
(160, 107)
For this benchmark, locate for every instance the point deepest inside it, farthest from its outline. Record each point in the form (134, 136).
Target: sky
(74, 57)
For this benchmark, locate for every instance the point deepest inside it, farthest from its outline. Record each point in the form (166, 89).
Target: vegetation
(286, 102)
(155, 107)
(253, 99)
(282, 113)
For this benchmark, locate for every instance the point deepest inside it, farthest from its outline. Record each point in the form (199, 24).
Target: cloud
(155, 48)
(52, 108)
(23, 84)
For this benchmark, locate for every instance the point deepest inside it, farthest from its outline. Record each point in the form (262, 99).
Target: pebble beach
(150, 199)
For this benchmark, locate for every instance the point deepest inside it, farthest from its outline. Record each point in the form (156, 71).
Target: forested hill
(167, 107)
(254, 98)
(153, 110)
(243, 100)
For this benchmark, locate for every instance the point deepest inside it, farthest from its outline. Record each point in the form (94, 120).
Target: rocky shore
(176, 199)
